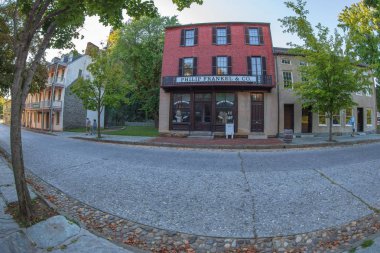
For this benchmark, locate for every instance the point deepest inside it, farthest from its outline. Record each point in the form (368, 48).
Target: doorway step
(208, 135)
(305, 135)
(257, 136)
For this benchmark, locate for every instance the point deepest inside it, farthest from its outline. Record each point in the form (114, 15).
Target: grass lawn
(77, 130)
(134, 131)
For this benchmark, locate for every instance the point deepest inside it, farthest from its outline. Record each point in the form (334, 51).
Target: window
(57, 118)
(181, 108)
(336, 118)
(189, 37)
(257, 68)
(62, 76)
(224, 108)
(349, 114)
(221, 36)
(368, 92)
(254, 36)
(285, 61)
(187, 66)
(359, 93)
(288, 79)
(79, 73)
(369, 117)
(302, 63)
(322, 119)
(221, 65)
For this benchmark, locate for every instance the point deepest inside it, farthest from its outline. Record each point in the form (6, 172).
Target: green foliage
(332, 74)
(362, 24)
(367, 244)
(139, 44)
(107, 87)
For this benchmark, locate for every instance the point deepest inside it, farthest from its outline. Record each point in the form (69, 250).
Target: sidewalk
(222, 143)
(56, 234)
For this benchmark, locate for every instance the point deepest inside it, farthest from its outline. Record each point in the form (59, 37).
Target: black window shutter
(196, 36)
(214, 66)
(214, 35)
(228, 35)
(180, 67)
(249, 64)
(246, 35)
(261, 36)
(264, 62)
(182, 37)
(229, 61)
(195, 63)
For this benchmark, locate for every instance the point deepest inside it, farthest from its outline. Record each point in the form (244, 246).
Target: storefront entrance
(289, 116)
(257, 112)
(202, 111)
(360, 120)
(307, 120)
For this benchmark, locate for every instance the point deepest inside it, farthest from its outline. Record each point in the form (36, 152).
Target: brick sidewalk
(216, 141)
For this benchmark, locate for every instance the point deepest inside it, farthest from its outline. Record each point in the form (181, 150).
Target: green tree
(107, 87)
(140, 44)
(362, 23)
(332, 74)
(34, 26)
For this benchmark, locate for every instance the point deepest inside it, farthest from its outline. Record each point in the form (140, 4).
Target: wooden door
(307, 120)
(289, 116)
(202, 111)
(257, 112)
(360, 120)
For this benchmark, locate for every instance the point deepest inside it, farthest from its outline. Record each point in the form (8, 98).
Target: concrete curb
(234, 147)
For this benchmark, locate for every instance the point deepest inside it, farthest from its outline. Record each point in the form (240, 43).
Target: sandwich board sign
(230, 130)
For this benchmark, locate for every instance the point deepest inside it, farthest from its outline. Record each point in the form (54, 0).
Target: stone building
(56, 108)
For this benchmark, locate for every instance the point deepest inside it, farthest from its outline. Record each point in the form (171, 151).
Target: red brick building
(217, 73)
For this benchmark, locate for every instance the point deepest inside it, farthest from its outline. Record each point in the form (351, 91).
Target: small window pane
(348, 116)
(257, 97)
(222, 65)
(181, 108)
(285, 61)
(224, 108)
(336, 118)
(254, 38)
(188, 66)
(369, 117)
(288, 80)
(322, 119)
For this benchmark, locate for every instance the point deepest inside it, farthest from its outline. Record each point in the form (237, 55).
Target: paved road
(216, 193)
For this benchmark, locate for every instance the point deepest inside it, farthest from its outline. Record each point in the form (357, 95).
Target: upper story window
(189, 37)
(257, 67)
(288, 79)
(254, 36)
(79, 73)
(221, 35)
(285, 61)
(303, 63)
(187, 66)
(221, 65)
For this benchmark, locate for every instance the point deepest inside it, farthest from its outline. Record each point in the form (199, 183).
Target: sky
(321, 11)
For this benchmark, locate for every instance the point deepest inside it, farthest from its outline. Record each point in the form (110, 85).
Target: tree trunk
(330, 127)
(99, 136)
(25, 204)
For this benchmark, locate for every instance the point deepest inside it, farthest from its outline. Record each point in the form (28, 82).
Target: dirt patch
(41, 211)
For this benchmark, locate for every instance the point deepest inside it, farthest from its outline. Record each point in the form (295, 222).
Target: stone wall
(74, 114)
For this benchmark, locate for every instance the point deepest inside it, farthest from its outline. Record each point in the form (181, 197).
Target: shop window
(322, 119)
(181, 108)
(349, 114)
(221, 35)
(254, 36)
(336, 118)
(187, 66)
(286, 61)
(369, 117)
(221, 65)
(224, 108)
(288, 79)
(189, 37)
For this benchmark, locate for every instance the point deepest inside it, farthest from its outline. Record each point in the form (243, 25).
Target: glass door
(202, 112)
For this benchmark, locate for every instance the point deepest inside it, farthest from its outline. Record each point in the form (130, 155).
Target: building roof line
(219, 23)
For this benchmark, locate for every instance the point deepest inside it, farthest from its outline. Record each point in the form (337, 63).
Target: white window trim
(366, 111)
(345, 116)
(340, 119)
(322, 125)
(282, 61)
(291, 76)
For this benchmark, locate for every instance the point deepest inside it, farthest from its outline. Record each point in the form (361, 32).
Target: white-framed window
(336, 118)
(286, 61)
(188, 66)
(359, 93)
(254, 36)
(189, 37)
(221, 36)
(303, 63)
(322, 120)
(369, 116)
(349, 113)
(288, 79)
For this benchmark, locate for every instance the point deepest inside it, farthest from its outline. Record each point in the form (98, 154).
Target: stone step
(257, 136)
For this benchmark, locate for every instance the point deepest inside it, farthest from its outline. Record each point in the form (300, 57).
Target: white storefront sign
(230, 130)
(207, 79)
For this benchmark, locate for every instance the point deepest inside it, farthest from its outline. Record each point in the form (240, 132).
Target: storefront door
(307, 120)
(289, 116)
(360, 120)
(257, 112)
(202, 111)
